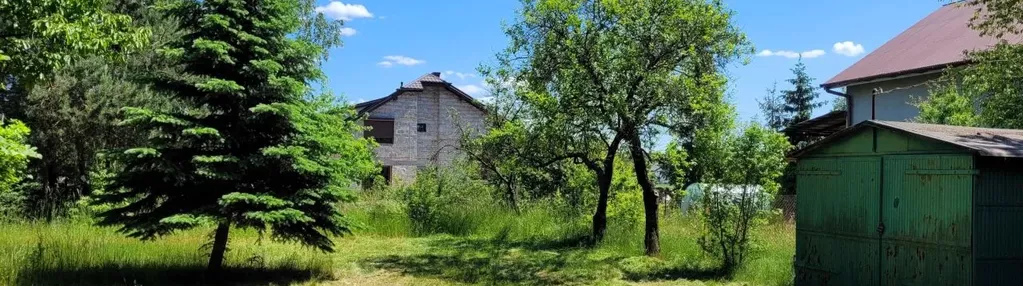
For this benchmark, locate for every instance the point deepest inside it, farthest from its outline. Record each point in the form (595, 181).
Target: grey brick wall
(444, 114)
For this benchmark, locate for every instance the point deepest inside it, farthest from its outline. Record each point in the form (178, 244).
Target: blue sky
(391, 41)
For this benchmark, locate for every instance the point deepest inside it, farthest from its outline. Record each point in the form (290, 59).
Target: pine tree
(801, 99)
(251, 148)
(773, 107)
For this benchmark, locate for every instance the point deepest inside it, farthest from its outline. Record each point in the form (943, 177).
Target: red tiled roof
(935, 42)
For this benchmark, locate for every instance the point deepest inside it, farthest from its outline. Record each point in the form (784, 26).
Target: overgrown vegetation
(185, 119)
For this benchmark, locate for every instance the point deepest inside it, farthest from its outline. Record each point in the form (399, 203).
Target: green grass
(534, 247)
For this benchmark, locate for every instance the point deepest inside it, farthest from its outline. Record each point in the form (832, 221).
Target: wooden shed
(898, 203)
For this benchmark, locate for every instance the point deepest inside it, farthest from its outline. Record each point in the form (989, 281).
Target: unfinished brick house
(420, 125)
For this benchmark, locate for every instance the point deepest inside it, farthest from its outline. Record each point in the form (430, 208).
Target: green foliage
(625, 206)
(436, 201)
(750, 165)
(14, 157)
(801, 99)
(250, 145)
(39, 36)
(996, 17)
(79, 253)
(535, 246)
(839, 104)
(596, 76)
(985, 93)
(773, 107)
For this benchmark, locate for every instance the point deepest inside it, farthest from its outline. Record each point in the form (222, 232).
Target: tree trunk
(219, 247)
(652, 239)
(600, 216)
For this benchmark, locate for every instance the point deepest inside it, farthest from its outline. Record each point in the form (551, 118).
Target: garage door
(926, 203)
(837, 213)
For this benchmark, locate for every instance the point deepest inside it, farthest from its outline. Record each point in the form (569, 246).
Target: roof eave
(921, 70)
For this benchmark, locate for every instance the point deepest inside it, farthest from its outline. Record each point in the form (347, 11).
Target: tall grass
(481, 242)
(77, 253)
(545, 224)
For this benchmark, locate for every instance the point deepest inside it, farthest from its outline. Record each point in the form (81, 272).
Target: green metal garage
(898, 203)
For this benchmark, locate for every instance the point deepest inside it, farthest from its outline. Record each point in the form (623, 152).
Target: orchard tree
(610, 75)
(250, 146)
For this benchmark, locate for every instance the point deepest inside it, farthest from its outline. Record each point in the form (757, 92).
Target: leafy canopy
(41, 35)
(14, 153)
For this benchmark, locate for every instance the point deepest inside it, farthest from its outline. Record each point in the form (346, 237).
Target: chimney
(436, 74)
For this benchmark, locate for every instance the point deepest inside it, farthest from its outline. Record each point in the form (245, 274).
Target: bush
(733, 206)
(14, 156)
(441, 201)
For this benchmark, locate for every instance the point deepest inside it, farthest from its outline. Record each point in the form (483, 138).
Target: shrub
(14, 156)
(441, 200)
(733, 205)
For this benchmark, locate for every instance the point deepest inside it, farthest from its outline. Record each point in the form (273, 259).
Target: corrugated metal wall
(887, 208)
(926, 209)
(837, 213)
(999, 222)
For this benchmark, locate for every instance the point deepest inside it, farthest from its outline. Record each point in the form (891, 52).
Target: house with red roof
(420, 124)
(887, 83)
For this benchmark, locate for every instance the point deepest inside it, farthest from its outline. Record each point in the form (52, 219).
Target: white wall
(896, 105)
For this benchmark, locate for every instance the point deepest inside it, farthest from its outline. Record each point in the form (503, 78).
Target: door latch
(880, 228)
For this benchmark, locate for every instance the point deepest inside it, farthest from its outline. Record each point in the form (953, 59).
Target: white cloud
(347, 32)
(848, 48)
(812, 54)
(399, 60)
(347, 12)
(472, 89)
(462, 76)
(791, 54)
(403, 60)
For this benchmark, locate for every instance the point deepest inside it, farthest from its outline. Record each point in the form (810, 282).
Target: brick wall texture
(445, 115)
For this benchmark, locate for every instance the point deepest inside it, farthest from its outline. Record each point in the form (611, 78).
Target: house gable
(429, 117)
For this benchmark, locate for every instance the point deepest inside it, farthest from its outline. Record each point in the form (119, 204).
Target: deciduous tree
(610, 75)
(39, 36)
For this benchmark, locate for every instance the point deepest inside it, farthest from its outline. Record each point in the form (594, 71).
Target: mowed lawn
(77, 253)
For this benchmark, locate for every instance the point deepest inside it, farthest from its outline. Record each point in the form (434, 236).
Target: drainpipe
(848, 104)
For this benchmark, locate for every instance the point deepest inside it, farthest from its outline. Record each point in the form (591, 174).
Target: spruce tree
(250, 146)
(801, 99)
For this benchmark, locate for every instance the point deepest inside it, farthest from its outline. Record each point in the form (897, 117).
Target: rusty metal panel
(926, 208)
(836, 220)
(998, 237)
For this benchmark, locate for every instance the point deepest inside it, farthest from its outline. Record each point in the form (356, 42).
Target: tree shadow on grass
(675, 272)
(531, 262)
(163, 275)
